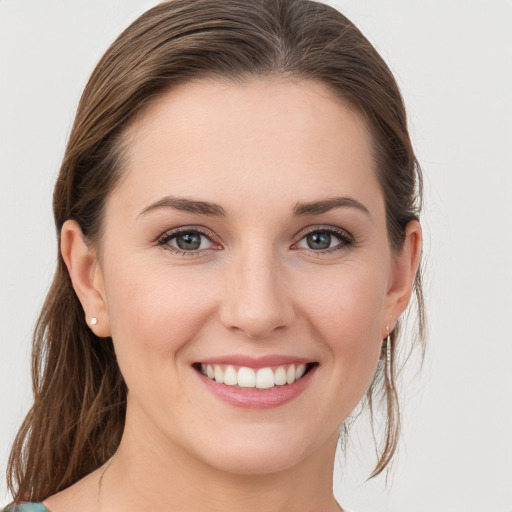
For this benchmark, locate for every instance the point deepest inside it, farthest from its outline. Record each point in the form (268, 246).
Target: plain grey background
(453, 62)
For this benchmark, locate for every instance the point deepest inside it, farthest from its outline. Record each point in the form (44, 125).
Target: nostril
(257, 309)
(258, 329)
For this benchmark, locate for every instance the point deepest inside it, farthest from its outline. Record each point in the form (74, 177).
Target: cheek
(154, 313)
(345, 308)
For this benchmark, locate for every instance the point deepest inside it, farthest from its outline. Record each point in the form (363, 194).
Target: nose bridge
(256, 300)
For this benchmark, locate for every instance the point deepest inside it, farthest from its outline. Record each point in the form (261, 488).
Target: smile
(256, 382)
(259, 378)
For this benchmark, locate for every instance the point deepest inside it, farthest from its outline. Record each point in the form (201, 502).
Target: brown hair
(77, 418)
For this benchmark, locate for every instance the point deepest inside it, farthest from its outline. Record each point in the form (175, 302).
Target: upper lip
(256, 362)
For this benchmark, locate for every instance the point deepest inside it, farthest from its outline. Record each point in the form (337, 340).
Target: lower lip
(252, 398)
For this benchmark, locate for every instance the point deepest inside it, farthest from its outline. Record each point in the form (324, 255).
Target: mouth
(245, 377)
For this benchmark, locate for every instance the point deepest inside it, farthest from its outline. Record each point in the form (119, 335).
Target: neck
(143, 476)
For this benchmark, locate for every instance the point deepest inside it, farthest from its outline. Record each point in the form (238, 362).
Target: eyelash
(346, 240)
(170, 235)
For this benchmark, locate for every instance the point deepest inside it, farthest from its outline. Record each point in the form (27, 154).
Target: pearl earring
(94, 320)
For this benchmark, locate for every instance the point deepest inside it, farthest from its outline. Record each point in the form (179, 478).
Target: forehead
(274, 138)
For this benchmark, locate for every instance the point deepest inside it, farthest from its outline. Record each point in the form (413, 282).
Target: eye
(325, 240)
(186, 241)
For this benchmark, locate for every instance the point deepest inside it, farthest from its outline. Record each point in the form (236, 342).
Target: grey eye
(325, 240)
(319, 240)
(189, 241)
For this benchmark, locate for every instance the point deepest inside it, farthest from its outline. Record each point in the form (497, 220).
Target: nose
(256, 298)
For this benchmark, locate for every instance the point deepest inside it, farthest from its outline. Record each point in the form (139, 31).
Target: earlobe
(86, 275)
(404, 268)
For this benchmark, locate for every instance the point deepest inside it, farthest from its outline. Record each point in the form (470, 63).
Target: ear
(403, 272)
(86, 275)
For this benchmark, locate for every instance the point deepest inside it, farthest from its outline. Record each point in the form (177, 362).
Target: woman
(238, 213)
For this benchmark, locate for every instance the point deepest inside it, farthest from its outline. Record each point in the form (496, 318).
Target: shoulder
(26, 507)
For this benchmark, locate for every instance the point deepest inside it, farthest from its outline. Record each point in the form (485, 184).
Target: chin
(259, 452)
(254, 463)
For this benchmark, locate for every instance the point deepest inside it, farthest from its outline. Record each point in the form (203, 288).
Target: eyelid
(345, 237)
(163, 239)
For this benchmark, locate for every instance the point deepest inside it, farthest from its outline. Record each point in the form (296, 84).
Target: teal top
(39, 507)
(26, 507)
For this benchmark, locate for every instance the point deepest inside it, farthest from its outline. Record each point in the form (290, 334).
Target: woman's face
(246, 238)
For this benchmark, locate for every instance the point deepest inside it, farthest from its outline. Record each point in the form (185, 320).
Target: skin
(256, 288)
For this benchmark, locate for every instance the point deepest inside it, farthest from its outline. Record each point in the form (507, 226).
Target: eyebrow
(318, 207)
(187, 205)
(215, 210)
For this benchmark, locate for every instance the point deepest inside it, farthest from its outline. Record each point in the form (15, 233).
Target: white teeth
(280, 376)
(264, 378)
(290, 375)
(245, 377)
(300, 371)
(219, 375)
(230, 376)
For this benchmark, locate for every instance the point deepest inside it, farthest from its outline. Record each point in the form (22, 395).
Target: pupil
(189, 241)
(320, 240)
